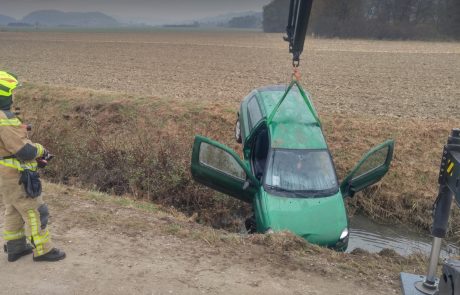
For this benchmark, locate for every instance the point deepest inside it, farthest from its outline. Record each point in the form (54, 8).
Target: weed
(173, 228)
(142, 148)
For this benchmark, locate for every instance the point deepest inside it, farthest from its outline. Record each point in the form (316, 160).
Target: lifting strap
(295, 82)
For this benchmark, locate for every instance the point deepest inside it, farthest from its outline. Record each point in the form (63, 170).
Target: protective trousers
(24, 216)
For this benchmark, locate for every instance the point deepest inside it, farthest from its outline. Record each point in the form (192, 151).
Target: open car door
(219, 167)
(370, 170)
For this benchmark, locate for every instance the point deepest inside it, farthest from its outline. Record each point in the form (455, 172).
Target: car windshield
(309, 172)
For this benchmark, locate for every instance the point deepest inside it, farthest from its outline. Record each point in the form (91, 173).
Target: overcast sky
(138, 10)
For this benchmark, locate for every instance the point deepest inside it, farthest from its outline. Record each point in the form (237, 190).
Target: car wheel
(238, 130)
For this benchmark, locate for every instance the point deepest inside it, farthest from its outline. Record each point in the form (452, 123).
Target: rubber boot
(17, 248)
(54, 255)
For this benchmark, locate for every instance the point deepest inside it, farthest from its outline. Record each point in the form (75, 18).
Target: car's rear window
(309, 172)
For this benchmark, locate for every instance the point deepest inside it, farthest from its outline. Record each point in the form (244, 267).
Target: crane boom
(299, 15)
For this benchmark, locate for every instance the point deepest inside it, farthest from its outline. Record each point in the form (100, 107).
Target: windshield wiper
(318, 193)
(278, 189)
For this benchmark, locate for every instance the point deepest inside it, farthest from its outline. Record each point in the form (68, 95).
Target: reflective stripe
(13, 235)
(451, 166)
(33, 222)
(37, 239)
(10, 122)
(40, 150)
(40, 240)
(20, 166)
(4, 90)
(12, 163)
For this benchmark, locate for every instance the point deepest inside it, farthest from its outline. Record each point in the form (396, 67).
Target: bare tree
(388, 19)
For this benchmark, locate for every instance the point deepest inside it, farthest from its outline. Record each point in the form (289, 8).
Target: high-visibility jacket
(16, 150)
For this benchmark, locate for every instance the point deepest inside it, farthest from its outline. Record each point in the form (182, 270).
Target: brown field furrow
(401, 79)
(120, 111)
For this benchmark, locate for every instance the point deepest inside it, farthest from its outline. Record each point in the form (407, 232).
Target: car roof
(294, 126)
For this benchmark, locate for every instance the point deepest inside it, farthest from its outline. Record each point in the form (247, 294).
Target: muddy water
(373, 237)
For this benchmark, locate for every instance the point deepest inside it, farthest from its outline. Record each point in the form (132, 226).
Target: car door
(369, 170)
(219, 167)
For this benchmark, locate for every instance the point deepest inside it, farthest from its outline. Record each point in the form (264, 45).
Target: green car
(287, 174)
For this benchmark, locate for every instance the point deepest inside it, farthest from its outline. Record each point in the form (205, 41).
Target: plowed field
(408, 79)
(89, 94)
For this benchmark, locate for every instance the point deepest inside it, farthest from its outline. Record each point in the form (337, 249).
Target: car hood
(318, 220)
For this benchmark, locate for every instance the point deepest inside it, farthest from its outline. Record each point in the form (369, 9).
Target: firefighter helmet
(8, 82)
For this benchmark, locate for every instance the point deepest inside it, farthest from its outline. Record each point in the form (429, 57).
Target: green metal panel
(369, 170)
(219, 167)
(295, 90)
(292, 118)
(318, 220)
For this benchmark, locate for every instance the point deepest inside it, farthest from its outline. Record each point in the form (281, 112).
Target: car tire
(238, 131)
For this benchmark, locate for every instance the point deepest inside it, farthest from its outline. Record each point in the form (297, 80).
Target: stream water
(373, 237)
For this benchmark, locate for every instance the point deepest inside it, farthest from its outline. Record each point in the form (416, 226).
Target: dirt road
(118, 249)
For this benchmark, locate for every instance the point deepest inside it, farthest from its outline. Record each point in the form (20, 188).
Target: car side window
(376, 160)
(220, 160)
(254, 113)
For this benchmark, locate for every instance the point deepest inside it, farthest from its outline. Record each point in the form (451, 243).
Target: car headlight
(344, 234)
(342, 243)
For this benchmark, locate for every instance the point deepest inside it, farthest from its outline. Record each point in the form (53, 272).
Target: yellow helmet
(8, 82)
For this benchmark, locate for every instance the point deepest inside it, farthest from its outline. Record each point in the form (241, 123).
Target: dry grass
(168, 86)
(97, 148)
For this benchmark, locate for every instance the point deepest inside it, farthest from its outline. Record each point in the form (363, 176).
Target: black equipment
(299, 14)
(449, 188)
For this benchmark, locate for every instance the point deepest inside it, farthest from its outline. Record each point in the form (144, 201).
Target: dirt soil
(365, 92)
(408, 79)
(117, 246)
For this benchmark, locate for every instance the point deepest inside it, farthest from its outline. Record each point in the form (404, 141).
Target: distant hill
(4, 19)
(56, 18)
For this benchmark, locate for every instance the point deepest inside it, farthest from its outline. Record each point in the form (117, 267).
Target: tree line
(378, 19)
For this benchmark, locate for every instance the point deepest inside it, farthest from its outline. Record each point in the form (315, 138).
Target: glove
(42, 162)
(47, 156)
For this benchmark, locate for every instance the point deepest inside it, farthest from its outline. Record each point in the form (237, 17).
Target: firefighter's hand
(47, 156)
(42, 162)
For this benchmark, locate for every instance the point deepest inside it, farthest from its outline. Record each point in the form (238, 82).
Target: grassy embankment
(141, 146)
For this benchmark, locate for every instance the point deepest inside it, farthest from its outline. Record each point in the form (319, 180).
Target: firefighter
(26, 215)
